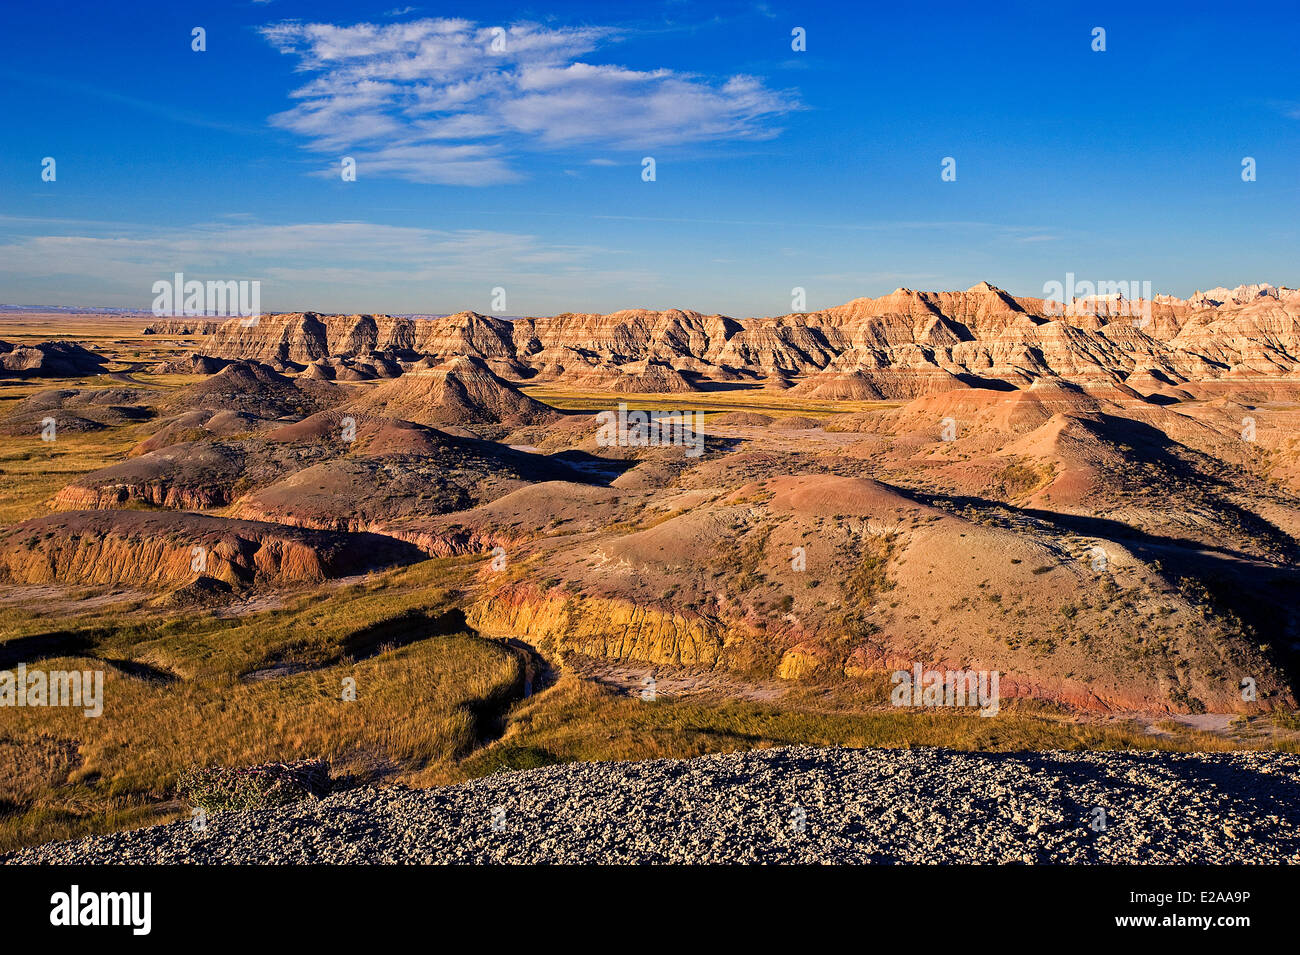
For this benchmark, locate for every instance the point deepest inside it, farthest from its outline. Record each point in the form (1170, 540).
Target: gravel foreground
(793, 805)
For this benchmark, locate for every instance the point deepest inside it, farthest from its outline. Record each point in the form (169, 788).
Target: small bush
(255, 787)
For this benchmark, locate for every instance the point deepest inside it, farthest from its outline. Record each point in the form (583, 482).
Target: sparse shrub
(868, 581)
(1019, 479)
(517, 758)
(219, 788)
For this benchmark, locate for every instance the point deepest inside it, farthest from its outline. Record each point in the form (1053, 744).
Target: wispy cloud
(455, 102)
(415, 253)
(319, 263)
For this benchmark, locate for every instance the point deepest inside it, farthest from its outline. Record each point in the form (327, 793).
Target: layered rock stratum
(135, 547)
(900, 345)
(1099, 500)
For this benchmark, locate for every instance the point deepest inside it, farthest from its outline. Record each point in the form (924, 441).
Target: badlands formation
(1099, 505)
(902, 345)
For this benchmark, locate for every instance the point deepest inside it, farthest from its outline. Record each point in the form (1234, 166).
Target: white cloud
(433, 101)
(333, 265)
(299, 248)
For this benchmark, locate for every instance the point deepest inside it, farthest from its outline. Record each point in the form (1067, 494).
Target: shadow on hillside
(1225, 779)
(707, 386)
(77, 644)
(596, 470)
(369, 552)
(1258, 593)
(1194, 471)
(401, 631)
(583, 467)
(988, 384)
(45, 646)
(1081, 786)
(143, 671)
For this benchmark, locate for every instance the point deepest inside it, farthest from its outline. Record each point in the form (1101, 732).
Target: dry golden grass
(424, 703)
(32, 471)
(83, 327)
(577, 720)
(165, 382)
(718, 402)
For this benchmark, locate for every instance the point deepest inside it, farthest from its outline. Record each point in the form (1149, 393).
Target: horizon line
(145, 312)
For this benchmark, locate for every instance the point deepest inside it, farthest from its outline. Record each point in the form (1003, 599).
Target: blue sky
(522, 168)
